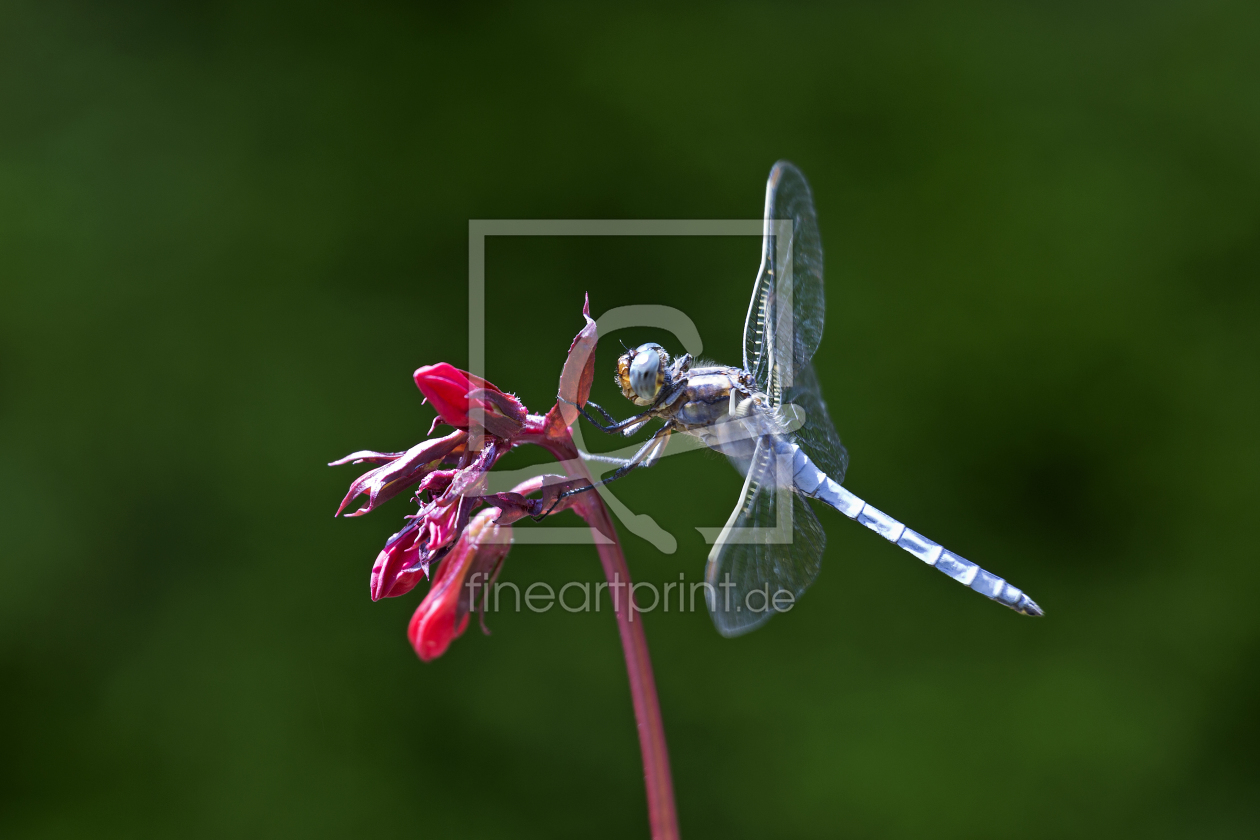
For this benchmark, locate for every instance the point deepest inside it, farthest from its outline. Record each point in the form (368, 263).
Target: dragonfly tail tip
(1028, 606)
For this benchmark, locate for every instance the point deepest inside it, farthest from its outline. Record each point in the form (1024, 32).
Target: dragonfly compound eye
(643, 373)
(647, 373)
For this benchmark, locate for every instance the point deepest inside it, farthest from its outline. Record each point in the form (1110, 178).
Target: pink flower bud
(459, 585)
(458, 396)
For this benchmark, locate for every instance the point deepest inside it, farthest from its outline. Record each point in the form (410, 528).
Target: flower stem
(662, 815)
(647, 708)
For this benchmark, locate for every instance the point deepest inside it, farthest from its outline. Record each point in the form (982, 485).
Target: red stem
(662, 815)
(647, 708)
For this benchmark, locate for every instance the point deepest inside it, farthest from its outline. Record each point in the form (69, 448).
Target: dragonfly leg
(602, 411)
(615, 425)
(603, 459)
(645, 457)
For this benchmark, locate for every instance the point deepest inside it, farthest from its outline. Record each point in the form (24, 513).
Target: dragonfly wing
(817, 434)
(785, 316)
(740, 465)
(772, 544)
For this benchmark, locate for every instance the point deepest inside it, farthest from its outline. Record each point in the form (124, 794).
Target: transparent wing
(817, 434)
(803, 418)
(771, 545)
(785, 316)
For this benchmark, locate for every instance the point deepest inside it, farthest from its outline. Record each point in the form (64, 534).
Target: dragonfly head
(641, 373)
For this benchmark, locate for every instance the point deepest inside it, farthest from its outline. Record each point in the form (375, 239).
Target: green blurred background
(229, 234)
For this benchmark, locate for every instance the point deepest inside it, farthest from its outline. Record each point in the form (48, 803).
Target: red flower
(401, 469)
(462, 399)
(575, 378)
(443, 520)
(447, 531)
(468, 549)
(390, 577)
(476, 557)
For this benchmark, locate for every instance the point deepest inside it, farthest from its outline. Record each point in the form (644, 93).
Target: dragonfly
(770, 420)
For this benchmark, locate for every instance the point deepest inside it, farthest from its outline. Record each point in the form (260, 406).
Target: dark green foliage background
(229, 234)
